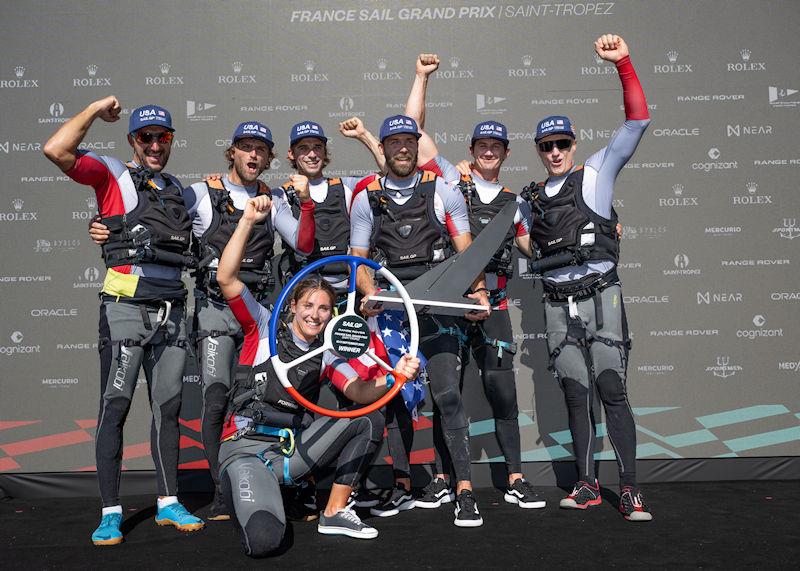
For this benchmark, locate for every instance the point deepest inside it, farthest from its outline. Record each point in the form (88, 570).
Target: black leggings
(251, 472)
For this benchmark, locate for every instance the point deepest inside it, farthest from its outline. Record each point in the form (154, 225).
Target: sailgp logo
(723, 368)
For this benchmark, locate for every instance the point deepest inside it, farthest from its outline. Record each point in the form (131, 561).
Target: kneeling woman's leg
(251, 489)
(350, 442)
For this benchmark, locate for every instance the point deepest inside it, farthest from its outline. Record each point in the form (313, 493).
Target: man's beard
(404, 170)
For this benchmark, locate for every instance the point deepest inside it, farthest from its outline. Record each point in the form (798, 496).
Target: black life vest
(408, 238)
(261, 395)
(331, 230)
(157, 231)
(558, 222)
(481, 214)
(256, 268)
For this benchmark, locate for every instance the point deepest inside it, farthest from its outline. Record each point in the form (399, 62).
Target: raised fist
(257, 208)
(300, 184)
(611, 47)
(108, 108)
(427, 64)
(352, 128)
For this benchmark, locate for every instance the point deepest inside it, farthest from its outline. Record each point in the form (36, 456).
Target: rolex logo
(382, 64)
(18, 204)
(237, 67)
(672, 56)
(677, 189)
(751, 187)
(745, 53)
(164, 67)
(91, 201)
(455, 61)
(527, 60)
(19, 71)
(310, 65)
(91, 69)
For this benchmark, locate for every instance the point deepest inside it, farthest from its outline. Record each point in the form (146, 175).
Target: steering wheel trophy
(347, 335)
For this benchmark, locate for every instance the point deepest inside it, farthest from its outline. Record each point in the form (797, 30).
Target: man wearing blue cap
(413, 220)
(215, 207)
(574, 231)
(143, 298)
(491, 340)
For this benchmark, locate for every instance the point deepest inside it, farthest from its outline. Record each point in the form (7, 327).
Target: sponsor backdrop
(709, 204)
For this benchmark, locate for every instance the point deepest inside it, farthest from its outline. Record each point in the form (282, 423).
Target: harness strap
(455, 331)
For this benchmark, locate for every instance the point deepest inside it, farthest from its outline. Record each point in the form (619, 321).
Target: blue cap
(149, 115)
(554, 125)
(253, 130)
(490, 130)
(306, 129)
(397, 124)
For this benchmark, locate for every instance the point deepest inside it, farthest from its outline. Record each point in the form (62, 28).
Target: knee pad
(575, 393)
(215, 400)
(170, 409)
(610, 387)
(501, 391)
(263, 534)
(115, 411)
(451, 408)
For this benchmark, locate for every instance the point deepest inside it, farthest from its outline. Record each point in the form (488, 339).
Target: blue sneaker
(108, 533)
(177, 515)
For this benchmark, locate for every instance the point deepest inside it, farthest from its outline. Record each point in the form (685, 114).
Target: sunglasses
(162, 138)
(562, 144)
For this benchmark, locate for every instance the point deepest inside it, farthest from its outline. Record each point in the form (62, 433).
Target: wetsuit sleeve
(603, 167)
(254, 319)
(337, 370)
(361, 221)
(198, 204)
(443, 168)
(298, 234)
(361, 185)
(451, 210)
(522, 217)
(95, 171)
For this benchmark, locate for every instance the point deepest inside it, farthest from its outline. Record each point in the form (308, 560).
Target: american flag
(390, 341)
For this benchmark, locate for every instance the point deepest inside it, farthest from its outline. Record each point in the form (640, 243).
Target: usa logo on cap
(306, 129)
(490, 130)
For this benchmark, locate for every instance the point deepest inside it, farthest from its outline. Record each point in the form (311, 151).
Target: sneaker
(399, 500)
(522, 493)
(435, 494)
(218, 510)
(632, 506)
(300, 503)
(177, 515)
(466, 511)
(108, 532)
(345, 522)
(583, 496)
(364, 498)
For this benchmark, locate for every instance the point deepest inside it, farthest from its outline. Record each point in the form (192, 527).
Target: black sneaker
(218, 511)
(300, 503)
(583, 496)
(435, 494)
(399, 500)
(345, 522)
(466, 511)
(522, 493)
(632, 506)
(364, 498)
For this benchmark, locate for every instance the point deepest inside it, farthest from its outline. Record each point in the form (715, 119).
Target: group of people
(415, 212)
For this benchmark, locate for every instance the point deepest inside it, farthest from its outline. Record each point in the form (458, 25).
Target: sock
(166, 501)
(112, 510)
